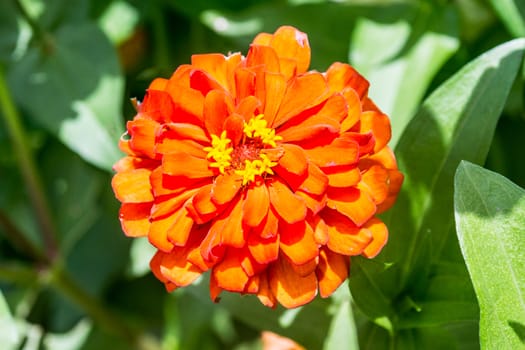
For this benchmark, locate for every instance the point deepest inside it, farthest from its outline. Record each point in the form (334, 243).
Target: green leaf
(397, 78)
(75, 91)
(456, 122)
(512, 14)
(342, 332)
(490, 223)
(9, 334)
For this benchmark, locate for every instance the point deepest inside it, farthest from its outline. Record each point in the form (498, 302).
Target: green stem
(20, 240)
(27, 167)
(41, 36)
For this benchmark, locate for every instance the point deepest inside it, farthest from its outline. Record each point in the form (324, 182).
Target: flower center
(246, 159)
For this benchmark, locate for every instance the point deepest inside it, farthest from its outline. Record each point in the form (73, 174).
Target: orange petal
(315, 122)
(297, 242)
(342, 75)
(167, 205)
(332, 271)
(163, 184)
(234, 126)
(134, 219)
(133, 186)
(183, 164)
(168, 145)
(379, 124)
(185, 131)
(158, 84)
(217, 107)
(143, 132)
(188, 102)
(339, 152)
(320, 231)
(354, 109)
(395, 179)
(255, 206)
(290, 207)
(293, 160)
(375, 181)
(229, 224)
(316, 182)
(229, 273)
(313, 202)
(202, 81)
(343, 176)
(263, 56)
(303, 91)
(176, 269)
(290, 43)
(245, 83)
(355, 204)
(366, 141)
(154, 265)
(179, 231)
(274, 90)
(252, 287)
(225, 188)
(289, 288)
(157, 105)
(380, 236)
(306, 268)
(214, 64)
(131, 163)
(158, 233)
(265, 294)
(202, 203)
(247, 107)
(263, 250)
(270, 225)
(273, 341)
(344, 237)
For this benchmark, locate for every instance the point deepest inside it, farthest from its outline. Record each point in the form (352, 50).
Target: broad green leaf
(9, 334)
(119, 21)
(456, 122)
(398, 80)
(75, 91)
(512, 14)
(342, 332)
(71, 340)
(490, 223)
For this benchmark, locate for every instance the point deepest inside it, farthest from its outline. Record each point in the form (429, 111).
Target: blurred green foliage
(69, 68)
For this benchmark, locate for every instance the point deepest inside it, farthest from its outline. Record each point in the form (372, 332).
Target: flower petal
(157, 105)
(293, 160)
(179, 231)
(167, 205)
(375, 181)
(291, 43)
(176, 268)
(316, 182)
(289, 288)
(225, 188)
(256, 205)
(265, 294)
(344, 237)
(290, 207)
(217, 107)
(379, 124)
(185, 131)
(133, 186)
(229, 273)
(274, 90)
(143, 132)
(341, 75)
(379, 237)
(339, 152)
(158, 233)
(297, 242)
(134, 219)
(263, 250)
(343, 176)
(303, 91)
(184, 164)
(355, 204)
(331, 272)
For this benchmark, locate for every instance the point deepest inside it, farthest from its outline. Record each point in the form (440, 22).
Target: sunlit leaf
(342, 332)
(512, 13)
(412, 51)
(9, 334)
(490, 223)
(75, 91)
(456, 122)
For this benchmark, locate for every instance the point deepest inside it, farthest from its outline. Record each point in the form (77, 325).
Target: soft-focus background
(70, 279)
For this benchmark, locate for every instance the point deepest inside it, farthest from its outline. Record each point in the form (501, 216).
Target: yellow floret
(258, 127)
(220, 151)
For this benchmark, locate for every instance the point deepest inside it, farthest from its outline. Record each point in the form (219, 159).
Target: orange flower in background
(262, 172)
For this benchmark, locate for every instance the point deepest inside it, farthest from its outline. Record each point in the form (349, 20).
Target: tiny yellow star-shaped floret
(258, 127)
(220, 151)
(256, 167)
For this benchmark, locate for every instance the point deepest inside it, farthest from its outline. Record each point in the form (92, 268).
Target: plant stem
(28, 168)
(41, 36)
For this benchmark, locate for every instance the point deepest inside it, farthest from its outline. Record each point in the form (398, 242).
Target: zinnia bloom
(262, 172)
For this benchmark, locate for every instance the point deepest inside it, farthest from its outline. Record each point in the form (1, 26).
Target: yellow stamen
(257, 167)
(258, 127)
(220, 151)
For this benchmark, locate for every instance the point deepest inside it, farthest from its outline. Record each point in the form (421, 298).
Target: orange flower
(262, 172)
